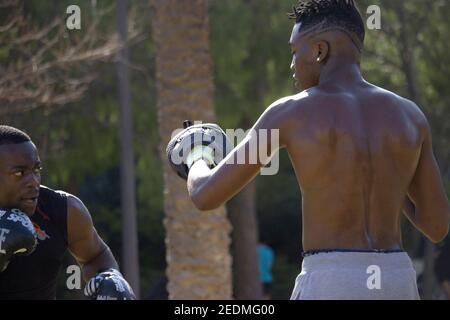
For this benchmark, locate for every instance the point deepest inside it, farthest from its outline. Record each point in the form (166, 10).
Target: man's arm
(85, 244)
(210, 188)
(409, 210)
(427, 206)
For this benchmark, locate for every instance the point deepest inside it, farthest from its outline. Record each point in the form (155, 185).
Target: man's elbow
(438, 232)
(203, 202)
(204, 195)
(435, 227)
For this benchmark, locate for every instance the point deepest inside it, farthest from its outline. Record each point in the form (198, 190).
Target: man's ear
(321, 51)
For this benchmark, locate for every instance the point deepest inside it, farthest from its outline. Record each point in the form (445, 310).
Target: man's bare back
(355, 151)
(360, 154)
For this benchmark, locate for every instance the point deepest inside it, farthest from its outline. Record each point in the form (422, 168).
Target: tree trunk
(407, 57)
(197, 243)
(130, 257)
(242, 213)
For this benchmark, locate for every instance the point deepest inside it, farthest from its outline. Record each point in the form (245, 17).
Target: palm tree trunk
(197, 243)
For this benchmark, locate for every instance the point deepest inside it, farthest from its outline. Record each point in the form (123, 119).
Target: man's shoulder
(296, 99)
(283, 109)
(72, 201)
(407, 106)
(52, 204)
(288, 113)
(77, 210)
(46, 192)
(389, 96)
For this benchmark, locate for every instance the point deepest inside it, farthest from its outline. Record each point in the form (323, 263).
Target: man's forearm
(196, 184)
(102, 261)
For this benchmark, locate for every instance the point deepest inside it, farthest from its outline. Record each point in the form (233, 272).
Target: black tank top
(35, 276)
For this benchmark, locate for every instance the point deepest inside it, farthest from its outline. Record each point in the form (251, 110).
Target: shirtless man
(362, 156)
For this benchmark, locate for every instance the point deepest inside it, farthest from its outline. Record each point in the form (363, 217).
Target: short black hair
(331, 14)
(11, 135)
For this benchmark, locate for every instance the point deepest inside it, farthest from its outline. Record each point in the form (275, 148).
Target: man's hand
(17, 235)
(109, 285)
(207, 142)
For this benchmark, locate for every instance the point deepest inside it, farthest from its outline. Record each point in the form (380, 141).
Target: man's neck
(340, 72)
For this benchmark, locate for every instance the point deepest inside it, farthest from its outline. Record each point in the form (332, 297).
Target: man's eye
(18, 173)
(38, 170)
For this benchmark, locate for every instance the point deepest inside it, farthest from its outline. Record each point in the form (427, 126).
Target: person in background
(265, 262)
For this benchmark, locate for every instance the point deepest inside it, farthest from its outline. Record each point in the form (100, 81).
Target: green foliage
(251, 58)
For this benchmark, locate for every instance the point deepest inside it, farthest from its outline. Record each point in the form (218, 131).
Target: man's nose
(34, 180)
(293, 64)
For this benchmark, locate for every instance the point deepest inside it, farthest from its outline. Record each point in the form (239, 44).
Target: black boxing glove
(206, 141)
(17, 235)
(109, 285)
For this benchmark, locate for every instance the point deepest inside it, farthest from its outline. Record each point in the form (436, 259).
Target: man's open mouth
(30, 201)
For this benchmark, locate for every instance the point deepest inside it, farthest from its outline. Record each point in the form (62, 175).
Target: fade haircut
(324, 15)
(10, 135)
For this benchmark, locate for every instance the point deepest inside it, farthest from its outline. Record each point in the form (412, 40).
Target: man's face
(20, 176)
(304, 64)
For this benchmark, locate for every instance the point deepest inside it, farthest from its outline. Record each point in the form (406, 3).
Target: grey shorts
(356, 276)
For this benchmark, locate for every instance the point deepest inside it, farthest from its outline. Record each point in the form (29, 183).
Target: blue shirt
(265, 258)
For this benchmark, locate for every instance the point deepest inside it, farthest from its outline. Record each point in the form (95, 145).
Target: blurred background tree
(197, 243)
